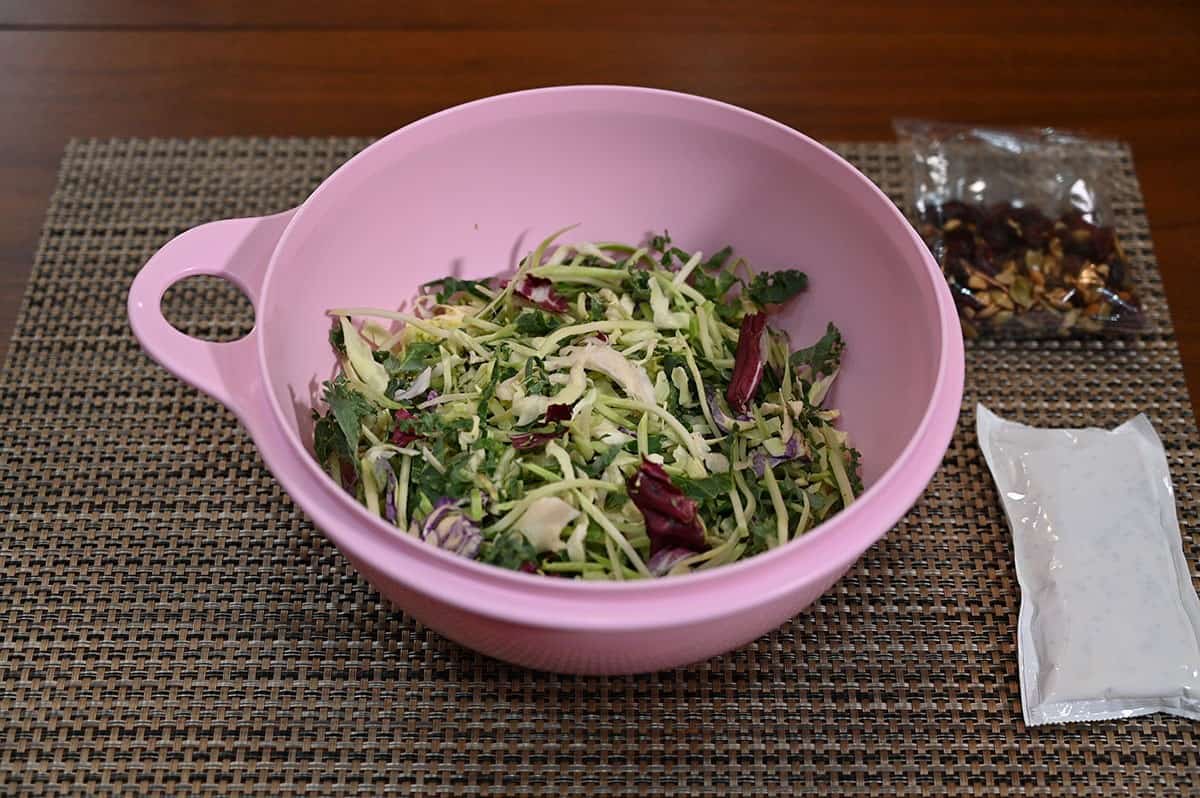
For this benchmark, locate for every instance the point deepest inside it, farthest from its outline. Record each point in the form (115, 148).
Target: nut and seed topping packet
(1020, 222)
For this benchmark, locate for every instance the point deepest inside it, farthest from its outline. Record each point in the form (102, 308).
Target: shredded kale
(452, 285)
(337, 339)
(417, 356)
(602, 461)
(825, 356)
(349, 407)
(536, 323)
(776, 288)
(718, 259)
(536, 380)
(706, 487)
(511, 550)
(714, 288)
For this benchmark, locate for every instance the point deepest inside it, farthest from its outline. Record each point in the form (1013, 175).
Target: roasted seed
(1022, 291)
(1089, 283)
(1059, 297)
(1003, 300)
(977, 283)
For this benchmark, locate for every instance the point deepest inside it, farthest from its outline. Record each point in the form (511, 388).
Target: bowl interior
(471, 190)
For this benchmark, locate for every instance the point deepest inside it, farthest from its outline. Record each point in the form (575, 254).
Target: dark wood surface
(835, 71)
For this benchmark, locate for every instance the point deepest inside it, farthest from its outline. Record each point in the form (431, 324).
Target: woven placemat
(169, 620)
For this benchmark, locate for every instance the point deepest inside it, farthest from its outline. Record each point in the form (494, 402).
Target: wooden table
(834, 70)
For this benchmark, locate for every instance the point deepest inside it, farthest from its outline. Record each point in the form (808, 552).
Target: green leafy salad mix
(609, 412)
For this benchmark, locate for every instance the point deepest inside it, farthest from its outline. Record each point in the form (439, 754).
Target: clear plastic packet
(1110, 622)
(1020, 222)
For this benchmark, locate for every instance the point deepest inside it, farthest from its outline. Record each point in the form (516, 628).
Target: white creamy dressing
(1110, 622)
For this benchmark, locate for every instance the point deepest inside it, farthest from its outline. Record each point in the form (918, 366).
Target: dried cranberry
(961, 211)
(561, 412)
(960, 242)
(983, 258)
(964, 297)
(1104, 244)
(1036, 232)
(957, 268)
(998, 233)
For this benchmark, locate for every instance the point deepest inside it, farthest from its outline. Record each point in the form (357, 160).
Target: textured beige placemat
(168, 619)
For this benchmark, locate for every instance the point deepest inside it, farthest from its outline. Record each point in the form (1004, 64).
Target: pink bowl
(471, 189)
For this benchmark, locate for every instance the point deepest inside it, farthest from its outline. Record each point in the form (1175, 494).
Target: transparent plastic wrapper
(1020, 222)
(1110, 622)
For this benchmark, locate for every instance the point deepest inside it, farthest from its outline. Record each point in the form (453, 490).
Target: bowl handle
(237, 250)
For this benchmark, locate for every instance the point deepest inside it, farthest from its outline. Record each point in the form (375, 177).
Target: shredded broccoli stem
(519, 507)
(643, 435)
(551, 342)
(751, 504)
(614, 558)
(433, 461)
(838, 465)
(681, 434)
(781, 513)
(805, 516)
(402, 492)
(739, 513)
(615, 534)
(370, 486)
(539, 471)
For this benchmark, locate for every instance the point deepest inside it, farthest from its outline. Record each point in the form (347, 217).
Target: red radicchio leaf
(528, 567)
(523, 441)
(671, 517)
(748, 362)
(540, 292)
(400, 435)
(558, 413)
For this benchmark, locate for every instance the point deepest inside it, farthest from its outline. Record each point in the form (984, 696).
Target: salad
(610, 412)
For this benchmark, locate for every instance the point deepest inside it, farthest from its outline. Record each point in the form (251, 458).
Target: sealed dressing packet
(1110, 622)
